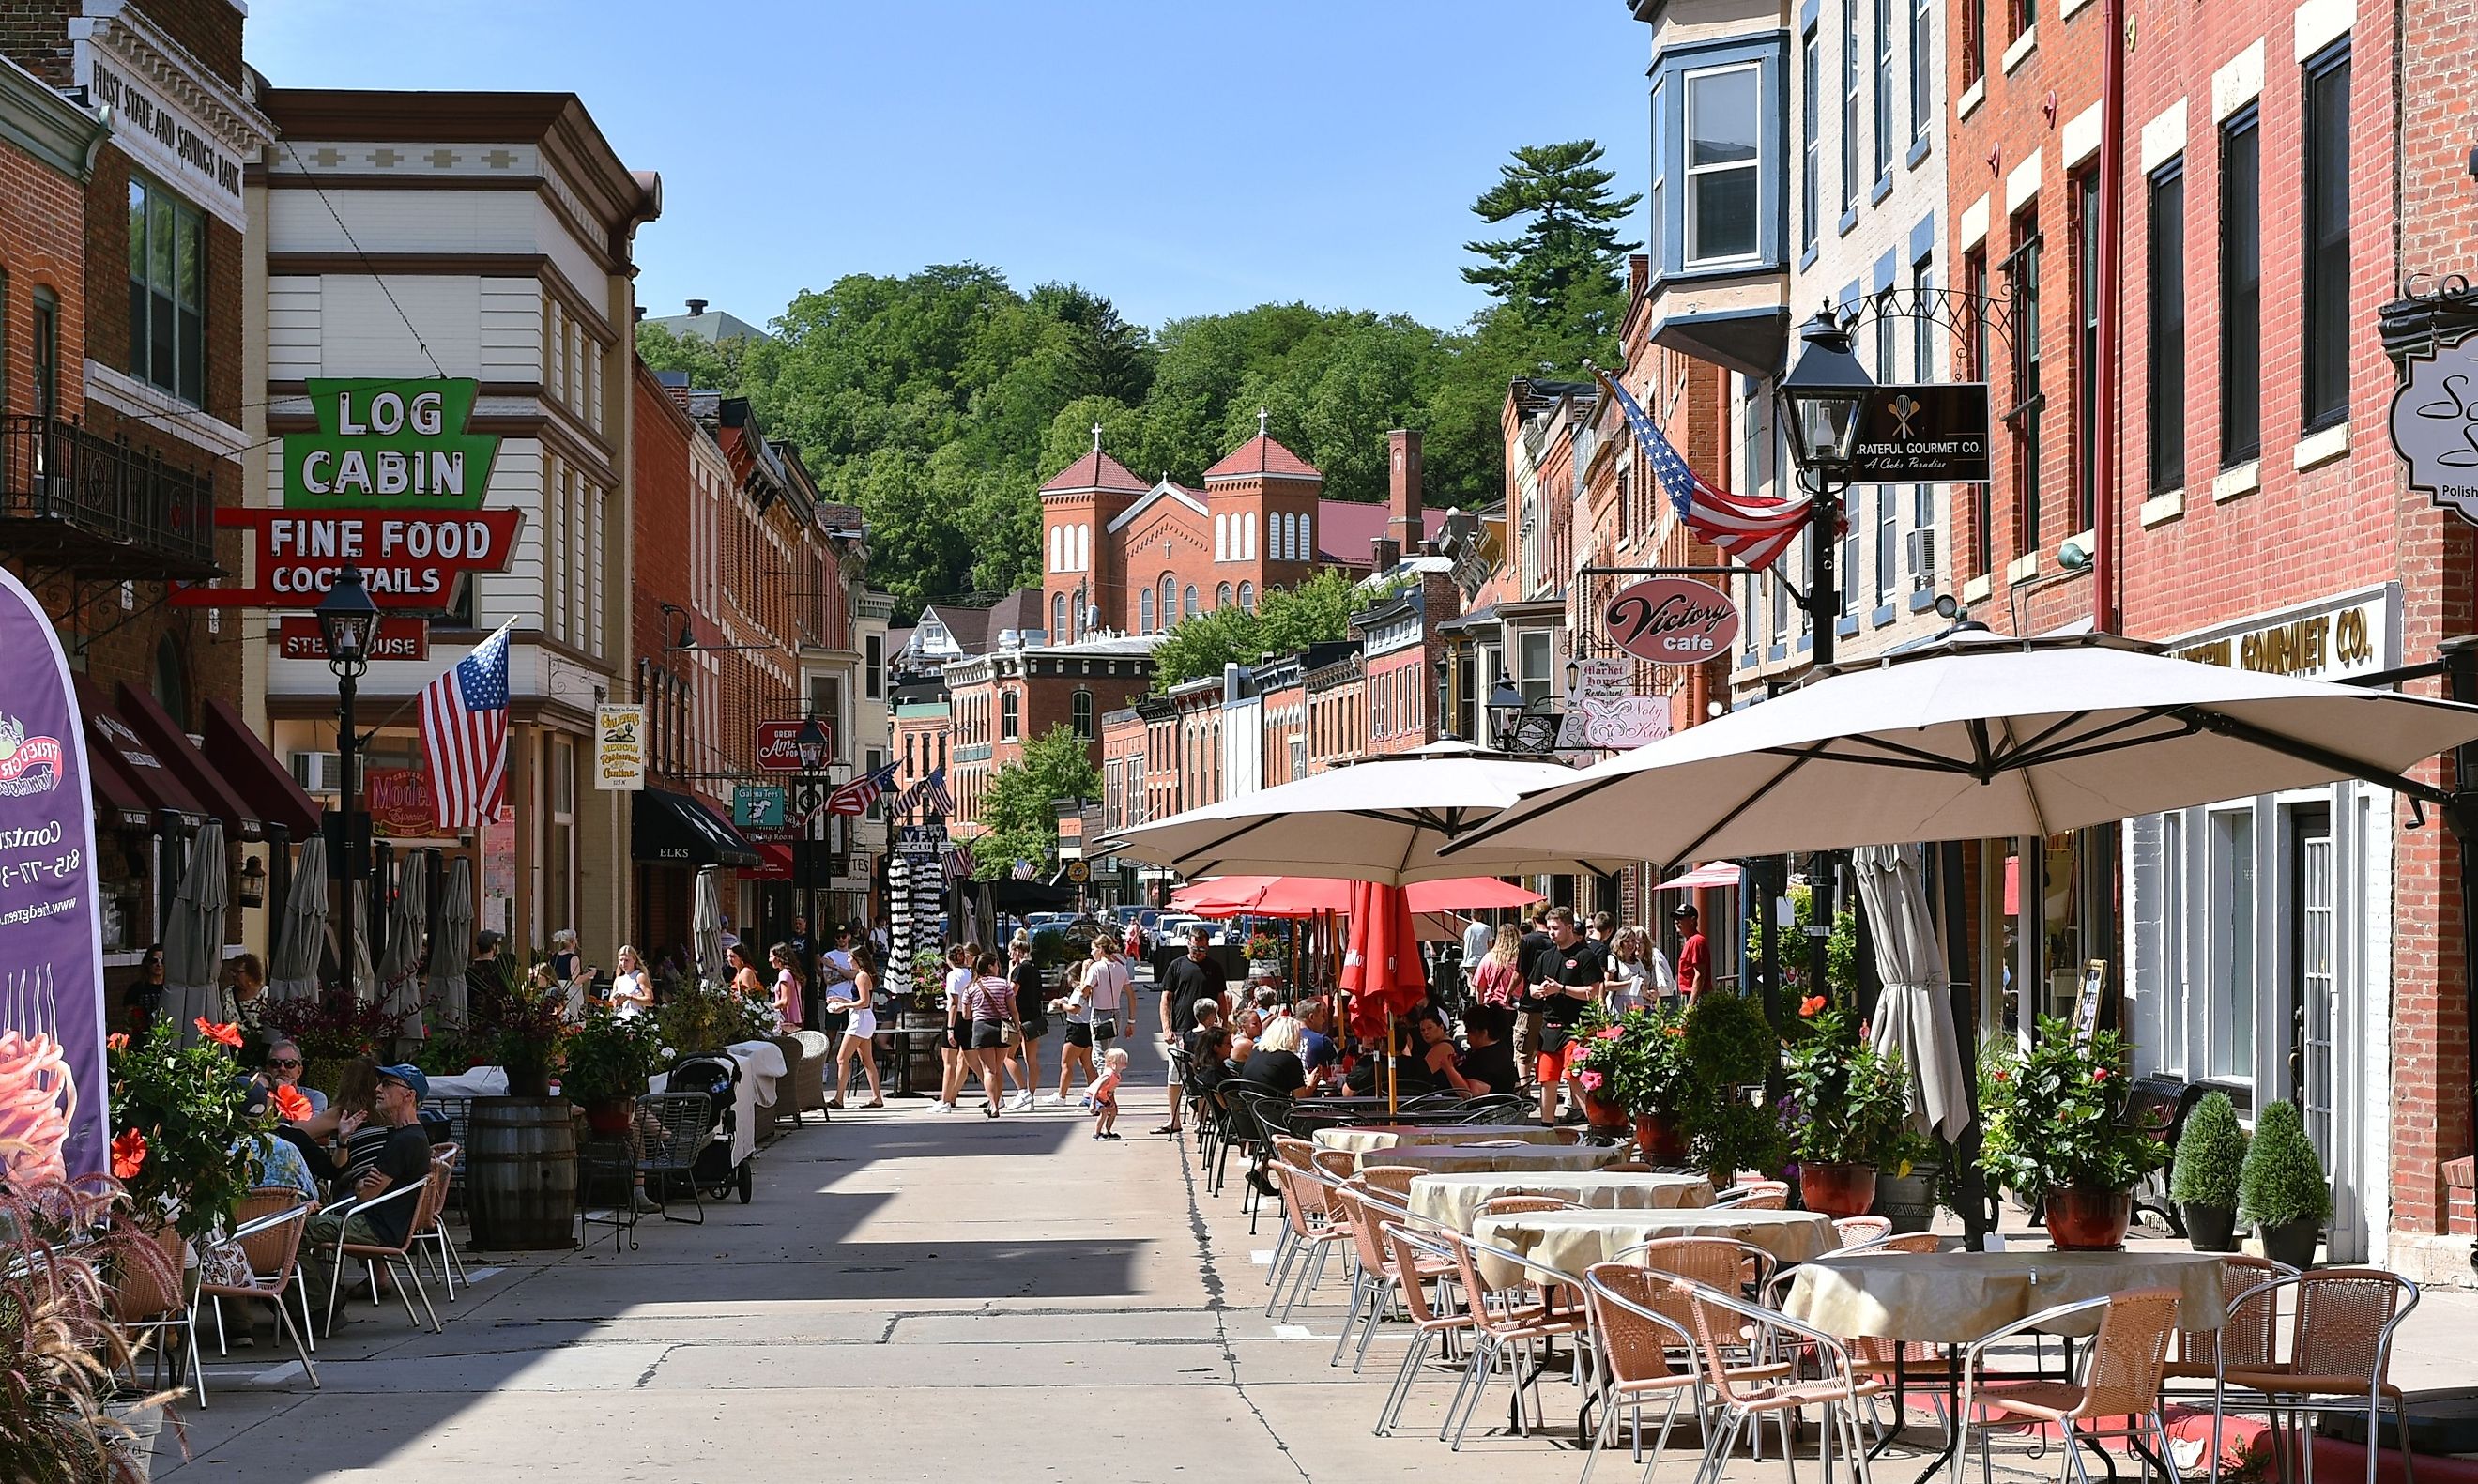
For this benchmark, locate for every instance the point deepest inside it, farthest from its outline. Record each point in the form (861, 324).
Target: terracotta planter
(610, 1115)
(1660, 1139)
(2210, 1228)
(2291, 1241)
(2085, 1219)
(1602, 1113)
(1837, 1190)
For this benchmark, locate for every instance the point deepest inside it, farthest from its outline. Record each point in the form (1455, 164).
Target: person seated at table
(341, 1141)
(402, 1158)
(1274, 1062)
(1433, 1047)
(1209, 1047)
(1318, 1053)
(279, 1160)
(1488, 1064)
(283, 1068)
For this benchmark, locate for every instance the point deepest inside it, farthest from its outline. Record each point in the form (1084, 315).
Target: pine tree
(1564, 272)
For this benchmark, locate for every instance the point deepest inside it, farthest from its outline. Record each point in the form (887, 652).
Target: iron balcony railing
(71, 497)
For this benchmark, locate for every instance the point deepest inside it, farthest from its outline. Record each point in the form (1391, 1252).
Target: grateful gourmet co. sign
(389, 445)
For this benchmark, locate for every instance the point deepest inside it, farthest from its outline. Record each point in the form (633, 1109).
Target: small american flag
(465, 731)
(960, 864)
(1753, 528)
(930, 790)
(855, 796)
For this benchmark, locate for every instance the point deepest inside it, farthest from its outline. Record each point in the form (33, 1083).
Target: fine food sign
(2435, 426)
(1671, 620)
(1935, 432)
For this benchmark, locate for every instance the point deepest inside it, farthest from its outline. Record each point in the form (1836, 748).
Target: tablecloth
(761, 1065)
(1467, 1158)
(1364, 1137)
(1454, 1199)
(1955, 1297)
(472, 1082)
(1571, 1241)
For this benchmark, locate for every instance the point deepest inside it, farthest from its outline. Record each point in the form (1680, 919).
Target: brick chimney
(1638, 275)
(1403, 492)
(1388, 553)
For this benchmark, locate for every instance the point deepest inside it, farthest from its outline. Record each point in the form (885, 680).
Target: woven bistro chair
(1855, 1231)
(1309, 1233)
(267, 1225)
(1413, 1254)
(2248, 1337)
(1756, 1195)
(1394, 1180)
(1724, 1263)
(1634, 1318)
(2121, 1372)
(1725, 1325)
(1298, 1154)
(1507, 1323)
(2339, 1358)
(1362, 1212)
(1515, 1203)
(146, 1299)
(450, 1262)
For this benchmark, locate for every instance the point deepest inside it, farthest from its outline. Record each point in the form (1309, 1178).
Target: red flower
(1863, 1030)
(2100, 1074)
(1813, 1004)
(128, 1155)
(289, 1104)
(2003, 1076)
(117, 1040)
(1608, 1033)
(226, 1034)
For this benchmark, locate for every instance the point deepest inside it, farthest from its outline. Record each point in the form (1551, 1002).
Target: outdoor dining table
(1454, 1200)
(1569, 1241)
(1481, 1158)
(1955, 1297)
(1361, 1138)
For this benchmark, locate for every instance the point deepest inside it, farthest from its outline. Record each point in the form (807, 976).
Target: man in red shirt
(1694, 969)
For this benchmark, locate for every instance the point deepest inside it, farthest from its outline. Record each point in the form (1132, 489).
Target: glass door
(2314, 999)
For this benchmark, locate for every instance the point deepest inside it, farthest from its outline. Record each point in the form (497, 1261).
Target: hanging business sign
(759, 806)
(1605, 713)
(389, 445)
(619, 747)
(297, 638)
(1932, 433)
(1671, 620)
(2435, 426)
(407, 560)
(400, 802)
(778, 745)
(51, 1079)
(922, 841)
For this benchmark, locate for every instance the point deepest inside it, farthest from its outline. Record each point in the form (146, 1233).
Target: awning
(118, 803)
(154, 784)
(774, 863)
(251, 769)
(1719, 873)
(674, 829)
(182, 756)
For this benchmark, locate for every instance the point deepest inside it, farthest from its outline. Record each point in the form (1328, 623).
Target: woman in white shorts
(856, 998)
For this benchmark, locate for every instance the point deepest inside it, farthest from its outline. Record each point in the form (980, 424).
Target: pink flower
(1589, 1081)
(2099, 1075)
(1608, 1033)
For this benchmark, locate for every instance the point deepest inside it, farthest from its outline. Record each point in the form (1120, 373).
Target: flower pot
(528, 1079)
(1602, 1113)
(1908, 1201)
(2210, 1228)
(2086, 1219)
(2291, 1241)
(1837, 1190)
(610, 1115)
(1660, 1139)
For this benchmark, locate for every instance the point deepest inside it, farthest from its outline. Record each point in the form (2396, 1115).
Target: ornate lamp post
(347, 622)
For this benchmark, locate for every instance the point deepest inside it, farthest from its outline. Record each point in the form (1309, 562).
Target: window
(172, 681)
(1058, 618)
(1922, 73)
(1058, 539)
(1811, 184)
(1885, 14)
(167, 291)
(1248, 542)
(2087, 445)
(1248, 597)
(2025, 15)
(1010, 716)
(875, 760)
(2240, 288)
(2326, 190)
(2232, 877)
(1145, 611)
(1222, 537)
(46, 347)
(1306, 543)
(1533, 654)
(1653, 245)
(1924, 368)
(2023, 268)
(1221, 598)
(1974, 40)
(1189, 610)
(1849, 105)
(1168, 600)
(1724, 112)
(2166, 394)
(1080, 712)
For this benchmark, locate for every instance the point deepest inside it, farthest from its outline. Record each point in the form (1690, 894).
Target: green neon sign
(388, 444)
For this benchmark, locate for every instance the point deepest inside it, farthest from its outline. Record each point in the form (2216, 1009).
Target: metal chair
(1505, 1320)
(269, 1223)
(425, 1196)
(1635, 1337)
(152, 1298)
(1415, 1255)
(1310, 1235)
(2121, 1375)
(676, 1127)
(451, 1263)
(1756, 1195)
(2339, 1358)
(1715, 1262)
(1855, 1231)
(1747, 1393)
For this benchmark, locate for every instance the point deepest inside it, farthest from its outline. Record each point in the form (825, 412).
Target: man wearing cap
(403, 1160)
(1694, 968)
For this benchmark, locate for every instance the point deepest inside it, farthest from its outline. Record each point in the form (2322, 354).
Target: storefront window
(167, 291)
(2231, 1050)
(560, 845)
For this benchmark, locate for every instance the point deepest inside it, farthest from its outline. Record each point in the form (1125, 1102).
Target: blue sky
(1181, 155)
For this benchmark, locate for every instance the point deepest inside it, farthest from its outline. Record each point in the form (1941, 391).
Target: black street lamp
(1519, 728)
(347, 622)
(1820, 400)
(814, 747)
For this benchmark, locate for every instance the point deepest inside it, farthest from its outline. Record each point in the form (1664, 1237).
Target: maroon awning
(251, 769)
(159, 786)
(118, 803)
(205, 784)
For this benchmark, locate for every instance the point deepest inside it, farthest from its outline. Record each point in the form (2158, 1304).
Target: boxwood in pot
(2281, 1188)
(2210, 1153)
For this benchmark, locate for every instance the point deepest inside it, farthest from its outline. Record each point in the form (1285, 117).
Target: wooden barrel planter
(520, 1174)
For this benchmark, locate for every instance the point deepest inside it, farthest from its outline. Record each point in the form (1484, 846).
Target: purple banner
(54, 1114)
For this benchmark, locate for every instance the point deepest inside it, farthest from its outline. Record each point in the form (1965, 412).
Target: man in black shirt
(404, 1160)
(1571, 980)
(1184, 982)
(1532, 958)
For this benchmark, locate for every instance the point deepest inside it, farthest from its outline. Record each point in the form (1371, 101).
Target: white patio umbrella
(705, 924)
(1914, 1013)
(1383, 820)
(451, 948)
(301, 936)
(407, 918)
(194, 940)
(1976, 739)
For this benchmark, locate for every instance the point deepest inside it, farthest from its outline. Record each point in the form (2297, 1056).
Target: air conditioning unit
(1922, 545)
(318, 772)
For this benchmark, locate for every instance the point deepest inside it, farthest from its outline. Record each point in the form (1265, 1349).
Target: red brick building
(1017, 691)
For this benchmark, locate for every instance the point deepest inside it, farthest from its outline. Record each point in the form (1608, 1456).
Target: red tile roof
(1345, 528)
(1096, 470)
(1261, 455)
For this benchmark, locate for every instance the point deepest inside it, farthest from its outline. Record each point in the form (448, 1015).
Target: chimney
(1638, 275)
(1388, 552)
(697, 307)
(1403, 492)
(636, 315)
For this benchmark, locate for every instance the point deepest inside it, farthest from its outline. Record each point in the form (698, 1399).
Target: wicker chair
(450, 1262)
(2121, 1375)
(267, 1225)
(425, 1198)
(1416, 1254)
(1361, 1210)
(1394, 1180)
(1505, 1320)
(786, 1106)
(1633, 1315)
(1756, 1195)
(809, 1075)
(2339, 1357)
(1852, 1231)
(145, 1299)
(1309, 1236)
(1724, 1326)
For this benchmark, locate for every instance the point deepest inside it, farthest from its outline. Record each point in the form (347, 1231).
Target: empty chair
(1505, 1323)
(1414, 1257)
(1520, 1205)
(451, 1264)
(2340, 1356)
(267, 1225)
(1724, 1263)
(1756, 1195)
(1310, 1234)
(1394, 1180)
(1859, 1230)
(1726, 1325)
(2121, 1374)
(1636, 1338)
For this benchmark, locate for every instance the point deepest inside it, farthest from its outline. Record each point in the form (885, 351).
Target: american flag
(930, 790)
(465, 731)
(960, 864)
(855, 796)
(1753, 528)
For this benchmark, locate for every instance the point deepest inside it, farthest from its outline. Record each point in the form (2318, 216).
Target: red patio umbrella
(1305, 897)
(1381, 969)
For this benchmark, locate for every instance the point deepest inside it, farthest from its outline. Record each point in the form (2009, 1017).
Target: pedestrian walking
(989, 1008)
(1075, 1050)
(954, 1051)
(1032, 1021)
(1496, 976)
(856, 999)
(1105, 1094)
(788, 987)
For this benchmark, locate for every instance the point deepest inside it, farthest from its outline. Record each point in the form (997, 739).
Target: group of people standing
(997, 1016)
(1543, 978)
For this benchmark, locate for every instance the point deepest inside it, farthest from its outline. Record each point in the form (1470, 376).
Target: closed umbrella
(361, 981)
(1914, 1013)
(301, 935)
(401, 976)
(705, 924)
(451, 948)
(194, 940)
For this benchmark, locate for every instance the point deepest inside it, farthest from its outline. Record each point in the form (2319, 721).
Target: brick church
(1122, 554)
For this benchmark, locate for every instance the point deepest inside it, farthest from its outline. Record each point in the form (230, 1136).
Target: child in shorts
(1105, 1094)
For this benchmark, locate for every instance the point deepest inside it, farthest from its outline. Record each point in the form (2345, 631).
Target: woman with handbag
(856, 998)
(1075, 1055)
(989, 1004)
(1032, 1022)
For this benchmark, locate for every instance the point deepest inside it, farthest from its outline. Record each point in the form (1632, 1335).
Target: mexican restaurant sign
(53, 1118)
(409, 559)
(1671, 620)
(400, 802)
(389, 445)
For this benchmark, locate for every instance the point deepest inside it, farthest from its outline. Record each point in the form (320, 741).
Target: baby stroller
(700, 1152)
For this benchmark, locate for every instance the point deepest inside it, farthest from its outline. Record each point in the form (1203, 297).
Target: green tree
(1023, 825)
(1286, 622)
(712, 365)
(1567, 259)
(1201, 646)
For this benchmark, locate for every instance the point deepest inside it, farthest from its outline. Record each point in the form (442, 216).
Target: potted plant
(606, 1063)
(2203, 1182)
(182, 1138)
(1727, 1047)
(1264, 954)
(521, 1026)
(1636, 1066)
(2055, 1127)
(1600, 1039)
(2281, 1188)
(712, 1017)
(1851, 1111)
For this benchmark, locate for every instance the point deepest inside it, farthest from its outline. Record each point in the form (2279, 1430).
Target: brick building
(1019, 692)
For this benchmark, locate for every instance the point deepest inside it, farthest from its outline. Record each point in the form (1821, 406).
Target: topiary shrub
(2210, 1152)
(1727, 1044)
(2282, 1180)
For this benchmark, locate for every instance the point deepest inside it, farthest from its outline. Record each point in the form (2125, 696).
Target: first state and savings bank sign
(2434, 425)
